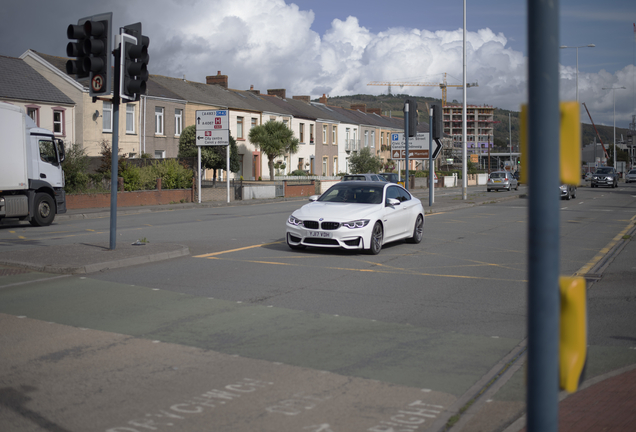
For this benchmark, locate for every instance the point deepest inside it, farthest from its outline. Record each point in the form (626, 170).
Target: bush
(172, 174)
(75, 165)
(298, 173)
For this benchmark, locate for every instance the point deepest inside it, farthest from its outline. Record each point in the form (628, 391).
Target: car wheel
(377, 235)
(293, 246)
(487, 190)
(517, 187)
(44, 210)
(574, 194)
(418, 230)
(508, 188)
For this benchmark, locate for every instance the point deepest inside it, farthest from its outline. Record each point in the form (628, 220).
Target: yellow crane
(442, 85)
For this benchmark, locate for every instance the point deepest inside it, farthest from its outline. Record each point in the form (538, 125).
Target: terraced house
(328, 135)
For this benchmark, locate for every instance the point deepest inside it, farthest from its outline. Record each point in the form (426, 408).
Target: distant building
(479, 126)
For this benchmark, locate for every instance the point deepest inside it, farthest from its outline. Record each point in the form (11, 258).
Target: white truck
(31, 176)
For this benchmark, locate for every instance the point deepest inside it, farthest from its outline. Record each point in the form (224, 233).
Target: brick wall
(300, 190)
(129, 199)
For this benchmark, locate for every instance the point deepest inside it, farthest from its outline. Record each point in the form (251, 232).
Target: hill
(391, 105)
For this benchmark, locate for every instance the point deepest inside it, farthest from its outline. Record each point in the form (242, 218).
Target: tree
(274, 139)
(212, 157)
(364, 162)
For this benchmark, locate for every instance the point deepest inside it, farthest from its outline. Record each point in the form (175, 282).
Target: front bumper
(342, 237)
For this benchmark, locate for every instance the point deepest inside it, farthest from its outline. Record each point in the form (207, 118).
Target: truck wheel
(44, 210)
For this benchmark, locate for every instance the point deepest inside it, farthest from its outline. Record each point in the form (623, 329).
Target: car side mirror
(314, 198)
(392, 202)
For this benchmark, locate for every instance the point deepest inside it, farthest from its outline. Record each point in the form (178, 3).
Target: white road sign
(418, 146)
(212, 128)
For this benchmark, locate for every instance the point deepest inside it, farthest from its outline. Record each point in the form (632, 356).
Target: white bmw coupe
(357, 215)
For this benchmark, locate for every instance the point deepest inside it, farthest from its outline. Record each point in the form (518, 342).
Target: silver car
(631, 176)
(568, 191)
(364, 177)
(501, 180)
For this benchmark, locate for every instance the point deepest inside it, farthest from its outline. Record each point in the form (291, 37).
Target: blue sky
(337, 47)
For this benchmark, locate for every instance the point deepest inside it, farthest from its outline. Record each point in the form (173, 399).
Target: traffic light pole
(115, 153)
(543, 226)
(406, 145)
(431, 170)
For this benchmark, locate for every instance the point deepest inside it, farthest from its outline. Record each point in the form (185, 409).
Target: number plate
(497, 181)
(318, 234)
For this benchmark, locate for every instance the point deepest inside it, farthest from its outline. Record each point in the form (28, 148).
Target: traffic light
(573, 332)
(92, 51)
(412, 116)
(76, 49)
(438, 122)
(134, 62)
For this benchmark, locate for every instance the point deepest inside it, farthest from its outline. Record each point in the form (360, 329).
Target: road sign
(212, 128)
(418, 146)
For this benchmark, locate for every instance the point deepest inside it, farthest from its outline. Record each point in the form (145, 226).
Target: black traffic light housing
(412, 116)
(438, 122)
(92, 51)
(134, 62)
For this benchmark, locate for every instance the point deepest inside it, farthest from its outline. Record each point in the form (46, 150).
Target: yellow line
(235, 250)
(599, 256)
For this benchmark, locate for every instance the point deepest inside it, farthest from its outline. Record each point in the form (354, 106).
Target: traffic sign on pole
(212, 128)
(418, 146)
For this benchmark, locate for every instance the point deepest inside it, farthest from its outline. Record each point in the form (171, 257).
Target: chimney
(374, 111)
(361, 107)
(251, 90)
(306, 99)
(277, 92)
(323, 99)
(218, 79)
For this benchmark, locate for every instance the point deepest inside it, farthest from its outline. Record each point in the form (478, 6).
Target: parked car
(588, 175)
(568, 191)
(390, 177)
(501, 180)
(357, 215)
(631, 176)
(605, 176)
(364, 177)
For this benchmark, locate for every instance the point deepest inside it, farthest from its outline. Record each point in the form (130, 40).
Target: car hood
(337, 212)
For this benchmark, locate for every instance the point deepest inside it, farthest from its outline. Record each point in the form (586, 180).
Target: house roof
(20, 81)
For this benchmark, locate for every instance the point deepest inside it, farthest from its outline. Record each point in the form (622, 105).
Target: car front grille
(310, 224)
(321, 241)
(330, 225)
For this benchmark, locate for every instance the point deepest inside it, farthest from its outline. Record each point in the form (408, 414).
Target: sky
(337, 47)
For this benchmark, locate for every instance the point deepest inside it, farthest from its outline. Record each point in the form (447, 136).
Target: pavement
(604, 403)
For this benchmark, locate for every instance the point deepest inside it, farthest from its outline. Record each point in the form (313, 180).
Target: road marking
(586, 268)
(235, 250)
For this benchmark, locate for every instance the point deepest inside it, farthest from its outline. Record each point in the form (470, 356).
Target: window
(335, 165)
(334, 135)
(381, 139)
(160, 154)
(178, 121)
(47, 151)
(58, 122)
(286, 122)
(130, 119)
(239, 127)
(373, 139)
(107, 117)
(311, 133)
(366, 138)
(325, 164)
(301, 133)
(34, 112)
(300, 163)
(254, 121)
(158, 121)
(324, 134)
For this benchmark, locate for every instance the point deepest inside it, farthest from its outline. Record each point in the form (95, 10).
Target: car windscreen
(350, 193)
(603, 171)
(498, 175)
(632, 172)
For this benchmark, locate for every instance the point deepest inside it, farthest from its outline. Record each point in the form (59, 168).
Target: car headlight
(294, 220)
(610, 178)
(361, 223)
(595, 177)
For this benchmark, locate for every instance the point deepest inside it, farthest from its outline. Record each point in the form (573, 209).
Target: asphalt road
(246, 334)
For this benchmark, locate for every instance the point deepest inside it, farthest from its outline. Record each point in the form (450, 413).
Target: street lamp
(614, 97)
(577, 64)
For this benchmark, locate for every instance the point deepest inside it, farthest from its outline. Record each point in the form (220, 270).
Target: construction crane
(442, 85)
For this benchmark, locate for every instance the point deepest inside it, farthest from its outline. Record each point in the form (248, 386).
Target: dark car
(605, 176)
(364, 177)
(390, 177)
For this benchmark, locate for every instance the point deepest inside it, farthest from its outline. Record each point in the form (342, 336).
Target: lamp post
(577, 64)
(614, 97)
